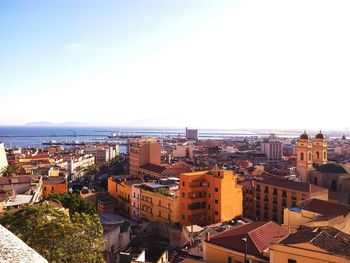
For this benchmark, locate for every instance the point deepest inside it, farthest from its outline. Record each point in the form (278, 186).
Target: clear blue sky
(175, 63)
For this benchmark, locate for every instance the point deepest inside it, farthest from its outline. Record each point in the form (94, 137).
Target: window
(208, 195)
(52, 188)
(183, 183)
(160, 203)
(183, 194)
(334, 185)
(310, 157)
(216, 201)
(216, 189)
(44, 188)
(216, 213)
(229, 259)
(266, 215)
(266, 189)
(275, 200)
(315, 181)
(291, 260)
(301, 156)
(317, 155)
(208, 207)
(183, 217)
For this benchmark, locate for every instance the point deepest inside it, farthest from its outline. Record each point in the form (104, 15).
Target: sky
(196, 63)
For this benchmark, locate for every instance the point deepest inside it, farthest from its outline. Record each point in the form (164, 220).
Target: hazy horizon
(89, 125)
(196, 63)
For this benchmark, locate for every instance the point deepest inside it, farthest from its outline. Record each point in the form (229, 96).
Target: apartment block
(145, 200)
(143, 151)
(267, 198)
(3, 159)
(209, 196)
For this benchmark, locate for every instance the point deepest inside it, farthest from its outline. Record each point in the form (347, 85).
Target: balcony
(198, 184)
(201, 211)
(147, 201)
(148, 213)
(197, 196)
(165, 207)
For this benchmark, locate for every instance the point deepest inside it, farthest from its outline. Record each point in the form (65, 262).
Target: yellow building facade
(137, 200)
(303, 253)
(159, 207)
(310, 152)
(218, 254)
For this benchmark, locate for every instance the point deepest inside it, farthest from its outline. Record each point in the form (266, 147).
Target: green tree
(74, 203)
(92, 169)
(57, 236)
(10, 170)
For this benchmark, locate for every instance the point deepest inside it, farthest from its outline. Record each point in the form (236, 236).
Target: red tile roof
(54, 180)
(325, 208)
(296, 186)
(20, 179)
(153, 168)
(259, 237)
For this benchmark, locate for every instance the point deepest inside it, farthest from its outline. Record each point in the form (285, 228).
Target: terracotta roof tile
(259, 237)
(153, 168)
(325, 208)
(296, 186)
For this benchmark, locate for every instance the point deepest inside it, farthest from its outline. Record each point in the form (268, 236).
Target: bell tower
(319, 149)
(304, 156)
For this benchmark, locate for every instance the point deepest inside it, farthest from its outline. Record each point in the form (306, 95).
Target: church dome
(304, 136)
(319, 136)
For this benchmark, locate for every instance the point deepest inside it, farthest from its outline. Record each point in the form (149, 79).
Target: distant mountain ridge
(48, 123)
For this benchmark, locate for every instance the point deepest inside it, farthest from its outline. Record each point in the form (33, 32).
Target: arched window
(324, 155)
(317, 155)
(310, 157)
(301, 156)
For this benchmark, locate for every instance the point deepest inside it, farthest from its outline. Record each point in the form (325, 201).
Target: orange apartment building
(143, 151)
(55, 184)
(209, 196)
(267, 198)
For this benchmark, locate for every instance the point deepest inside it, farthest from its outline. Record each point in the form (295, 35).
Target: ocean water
(33, 136)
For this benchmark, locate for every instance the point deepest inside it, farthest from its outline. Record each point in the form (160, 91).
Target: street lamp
(245, 239)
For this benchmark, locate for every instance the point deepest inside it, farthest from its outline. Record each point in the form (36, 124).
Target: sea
(34, 136)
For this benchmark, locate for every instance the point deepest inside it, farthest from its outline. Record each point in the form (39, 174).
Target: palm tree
(10, 170)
